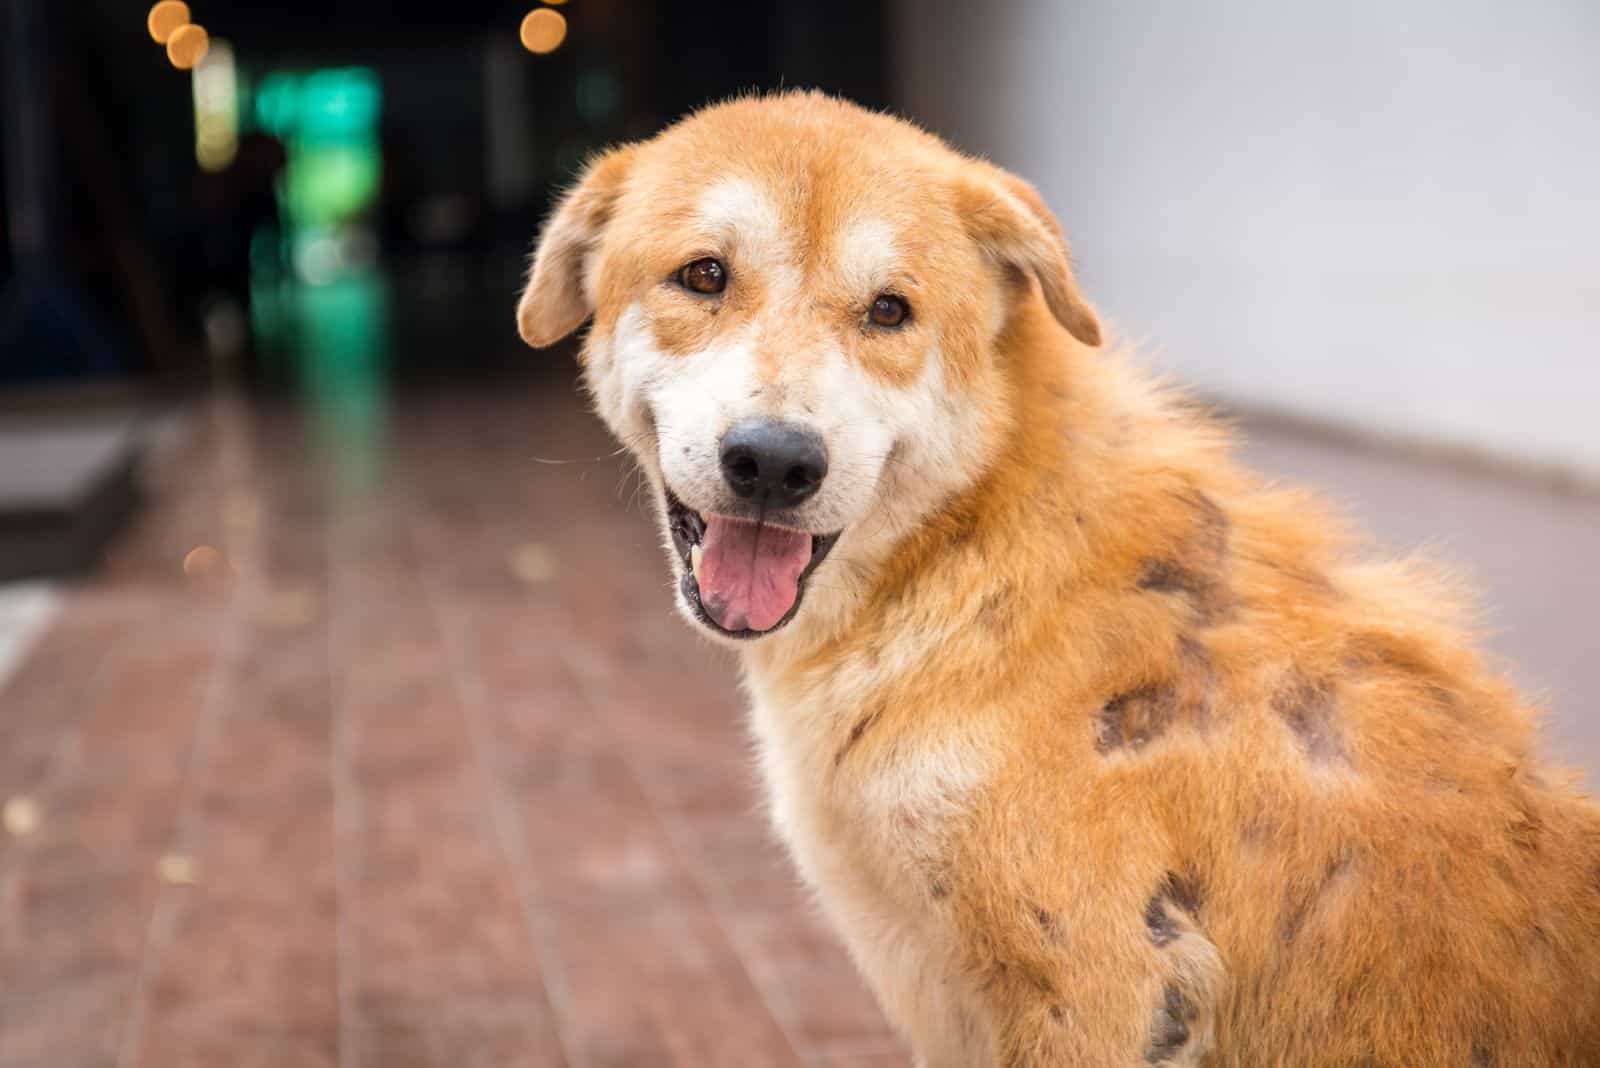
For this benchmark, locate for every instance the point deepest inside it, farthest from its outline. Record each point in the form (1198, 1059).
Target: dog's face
(795, 304)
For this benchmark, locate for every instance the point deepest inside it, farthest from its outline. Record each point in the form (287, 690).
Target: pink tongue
(750, 572)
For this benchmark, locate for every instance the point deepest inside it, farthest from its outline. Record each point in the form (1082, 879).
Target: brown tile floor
(454, 786)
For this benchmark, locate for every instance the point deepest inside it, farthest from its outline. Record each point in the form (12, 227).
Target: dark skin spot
(1183, 891)
(1134, 719)
(1481, 1057)
(861, 727)
(1195, 568)
(939, 887)
(1163, 931)
(1058, 1013)
(1300, 909)
(1308, 709)
(1047, 923)
(1177, 891)
(1169, 1032)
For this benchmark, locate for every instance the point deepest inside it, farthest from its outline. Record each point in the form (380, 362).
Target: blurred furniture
(67, 483)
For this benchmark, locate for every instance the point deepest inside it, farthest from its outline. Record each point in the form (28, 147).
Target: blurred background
(343, 715)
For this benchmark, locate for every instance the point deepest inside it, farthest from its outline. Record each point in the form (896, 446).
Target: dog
(1094, 748)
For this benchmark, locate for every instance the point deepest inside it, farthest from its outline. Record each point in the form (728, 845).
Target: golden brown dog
(1096, 750)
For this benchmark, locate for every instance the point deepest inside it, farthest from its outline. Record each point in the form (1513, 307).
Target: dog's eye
(703, 276)
(890, 311)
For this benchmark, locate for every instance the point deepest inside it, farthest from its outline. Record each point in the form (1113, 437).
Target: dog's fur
(1096, 750)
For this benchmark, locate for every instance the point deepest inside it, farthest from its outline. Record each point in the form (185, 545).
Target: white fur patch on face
(867, 254)
(706, 394)
(895, 450)
(746, 219)
(672, 411)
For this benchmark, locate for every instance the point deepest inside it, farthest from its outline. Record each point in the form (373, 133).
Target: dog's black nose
(781, 462)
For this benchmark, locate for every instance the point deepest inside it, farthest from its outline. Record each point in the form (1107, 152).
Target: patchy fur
(1096, 749)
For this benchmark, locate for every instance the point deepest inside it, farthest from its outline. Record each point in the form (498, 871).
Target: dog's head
(796, 305)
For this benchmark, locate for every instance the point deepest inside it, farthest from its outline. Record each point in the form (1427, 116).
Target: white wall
(1384, 213)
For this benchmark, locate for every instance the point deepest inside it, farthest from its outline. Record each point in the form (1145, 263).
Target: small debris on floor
(533, 563)
(176, 869)
(21, 816)
(204, 562)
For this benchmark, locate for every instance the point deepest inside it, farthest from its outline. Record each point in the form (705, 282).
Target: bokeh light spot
(176, 869)
(532, 563)
(187, 46)
(202, 561)
(21, 816)
(166, 18)
(543, 30)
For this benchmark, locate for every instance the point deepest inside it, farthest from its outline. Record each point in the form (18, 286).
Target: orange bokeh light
(543, 30)
(201, 561)
(187, 46)
(166, 18)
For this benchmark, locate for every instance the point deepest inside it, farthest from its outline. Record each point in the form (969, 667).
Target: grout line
(502, 817)
(204, 739)
(347, 814)
(164, 912)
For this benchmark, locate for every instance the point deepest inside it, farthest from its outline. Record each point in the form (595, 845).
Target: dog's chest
(873, 839)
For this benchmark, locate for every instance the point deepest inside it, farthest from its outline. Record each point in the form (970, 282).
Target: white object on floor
(25, 609)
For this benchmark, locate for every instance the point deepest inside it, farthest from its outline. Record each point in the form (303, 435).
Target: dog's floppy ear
(560, 291)
(1009, 220)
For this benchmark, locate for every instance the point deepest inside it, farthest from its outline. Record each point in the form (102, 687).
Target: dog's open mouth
(743, 577)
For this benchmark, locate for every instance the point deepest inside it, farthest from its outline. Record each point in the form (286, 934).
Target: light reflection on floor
(332, 343)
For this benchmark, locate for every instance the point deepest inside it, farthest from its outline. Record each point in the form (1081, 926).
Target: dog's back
(1214, 739)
